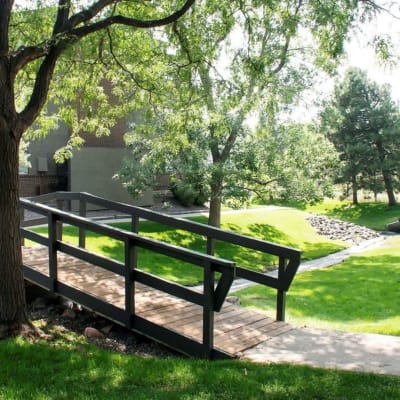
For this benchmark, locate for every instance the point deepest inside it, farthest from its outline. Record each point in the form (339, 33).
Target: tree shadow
(82, 372)
(362, 290)
(374, 215)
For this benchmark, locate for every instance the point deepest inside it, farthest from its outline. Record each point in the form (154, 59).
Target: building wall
(92, 171)
(33, 185)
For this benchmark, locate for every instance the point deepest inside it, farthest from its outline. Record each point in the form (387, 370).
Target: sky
(361, 53)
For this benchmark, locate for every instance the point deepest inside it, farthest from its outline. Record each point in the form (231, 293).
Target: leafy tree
(295, 162)
(235, 60)
(34, 42)
(363, 122)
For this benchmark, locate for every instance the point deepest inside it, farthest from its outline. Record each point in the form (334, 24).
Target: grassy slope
(40, 371)
(360, 295)
(372, 215)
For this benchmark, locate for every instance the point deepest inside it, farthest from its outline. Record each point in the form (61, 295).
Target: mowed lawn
(71, 369)
(374, 215)
(284, 226)
(362, 294)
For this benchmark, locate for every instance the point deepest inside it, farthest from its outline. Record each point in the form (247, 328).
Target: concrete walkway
(321, 348)
(362, 352)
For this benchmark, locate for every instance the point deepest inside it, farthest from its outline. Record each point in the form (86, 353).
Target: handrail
(289, 258)
(212, 300)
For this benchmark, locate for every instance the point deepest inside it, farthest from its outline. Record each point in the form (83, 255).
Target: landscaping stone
(93, 333)
(394, 227)
(341, 230)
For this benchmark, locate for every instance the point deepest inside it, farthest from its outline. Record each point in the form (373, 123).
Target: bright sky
(361, 53)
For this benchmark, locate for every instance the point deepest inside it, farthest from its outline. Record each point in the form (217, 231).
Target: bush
(188, 193)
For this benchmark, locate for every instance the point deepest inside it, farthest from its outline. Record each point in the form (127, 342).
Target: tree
(294, 162)
(32, 43)
(363, 122)
(234, 60)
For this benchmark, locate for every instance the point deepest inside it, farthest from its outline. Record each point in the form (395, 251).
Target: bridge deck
(235, 328)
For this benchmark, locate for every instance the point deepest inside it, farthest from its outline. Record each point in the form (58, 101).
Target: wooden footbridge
(195, 322)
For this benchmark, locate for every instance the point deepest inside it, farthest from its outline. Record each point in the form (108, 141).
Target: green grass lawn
(43, 371)
(359, 295)
(284, 226)
(372, 215)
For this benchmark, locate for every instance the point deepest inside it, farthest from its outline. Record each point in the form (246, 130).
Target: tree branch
(285, 48)
(121, 20)
(64, 7)
(53, 48)
(40, 90)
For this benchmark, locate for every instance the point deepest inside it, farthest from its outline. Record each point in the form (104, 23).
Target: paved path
(366, 352)
(328, 348)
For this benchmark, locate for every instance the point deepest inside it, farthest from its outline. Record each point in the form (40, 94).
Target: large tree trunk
(13, 316)
(214, 213)
(389, 188)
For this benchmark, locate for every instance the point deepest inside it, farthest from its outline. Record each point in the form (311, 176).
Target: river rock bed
(340, 230)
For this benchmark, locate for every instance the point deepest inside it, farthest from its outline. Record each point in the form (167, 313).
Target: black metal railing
(213, 295)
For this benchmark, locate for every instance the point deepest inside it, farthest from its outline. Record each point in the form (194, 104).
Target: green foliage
(363, 123)
(293, 162)
(189, 193)
(228, 62)
(45, 371)
(98, 79)
(356, 295)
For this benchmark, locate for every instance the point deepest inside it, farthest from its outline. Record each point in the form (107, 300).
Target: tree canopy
(43, 42)
(363, 122)
(234, 61)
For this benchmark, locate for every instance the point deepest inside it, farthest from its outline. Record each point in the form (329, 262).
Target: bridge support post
(281, 294)
(208, 311)
(280, 305)
(82, 231)
(130, 266)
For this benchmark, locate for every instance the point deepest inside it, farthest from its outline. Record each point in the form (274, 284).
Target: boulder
(394, 227)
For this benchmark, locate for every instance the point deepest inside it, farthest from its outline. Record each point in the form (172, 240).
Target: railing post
(208, 311)
(82, 231)
(135, 224)
(52, 229)
(60, 206)
(210, 246)
(130, 266)
(281, 294)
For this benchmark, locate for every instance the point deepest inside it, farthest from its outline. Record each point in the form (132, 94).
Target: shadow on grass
(41, 371)
(362, 289)
(372, 215)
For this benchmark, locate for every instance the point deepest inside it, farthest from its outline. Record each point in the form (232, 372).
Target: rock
(341, 230)
(68, 313)
(68, 303)
(93, 333)
(107, 329)
(394, 227)
(233, 300)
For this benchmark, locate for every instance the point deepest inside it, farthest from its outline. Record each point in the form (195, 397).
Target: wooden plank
(235, 328)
